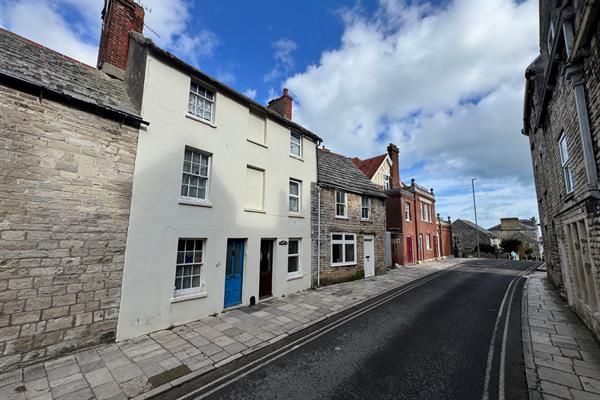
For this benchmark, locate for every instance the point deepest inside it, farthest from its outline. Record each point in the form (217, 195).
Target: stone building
(348, 221)
(466, 235)
(68, 137)
(414, 233)
(524, 230)
(562, 120)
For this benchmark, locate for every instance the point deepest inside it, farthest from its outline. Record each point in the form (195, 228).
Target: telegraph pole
(475, 210)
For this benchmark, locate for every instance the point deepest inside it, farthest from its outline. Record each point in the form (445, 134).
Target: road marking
(490, 359)
(269, 358)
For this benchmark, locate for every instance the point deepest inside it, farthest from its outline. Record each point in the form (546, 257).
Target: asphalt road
(430, 342)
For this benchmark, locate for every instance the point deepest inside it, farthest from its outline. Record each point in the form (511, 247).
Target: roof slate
(32, 63)
(340, 172)
(479, 227)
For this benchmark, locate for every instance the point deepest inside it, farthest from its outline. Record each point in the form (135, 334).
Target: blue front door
(234, 272)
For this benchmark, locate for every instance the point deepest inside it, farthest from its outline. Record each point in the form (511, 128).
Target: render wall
(353, 224)
(65, 191)
(159, 219)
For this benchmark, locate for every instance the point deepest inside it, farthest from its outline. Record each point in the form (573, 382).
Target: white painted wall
(158, 220)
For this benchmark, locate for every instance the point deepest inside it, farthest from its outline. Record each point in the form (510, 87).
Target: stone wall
(329, 224)
(558, 208)
(65, 189)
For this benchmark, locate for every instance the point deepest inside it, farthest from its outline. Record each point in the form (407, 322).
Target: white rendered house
(220, 212)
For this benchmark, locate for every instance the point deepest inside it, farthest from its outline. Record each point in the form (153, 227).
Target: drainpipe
(318, 236)
(574, 74)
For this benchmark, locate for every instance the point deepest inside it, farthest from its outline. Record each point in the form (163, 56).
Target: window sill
(296, 157)
(257, 143)
(294, 276)
(252, 210)
(346, 264)
(192, 116)
(197, 203)
(338, 217)
(199, 295)
(296, 216)
(365, 219)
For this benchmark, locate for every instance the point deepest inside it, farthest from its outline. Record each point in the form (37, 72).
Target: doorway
(410, 255)
(369, 250)
(265, 286)
(234, 272)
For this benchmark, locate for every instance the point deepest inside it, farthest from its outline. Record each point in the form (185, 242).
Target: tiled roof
(339, 172)
(526, 224)
(33, 64)
(370, 165)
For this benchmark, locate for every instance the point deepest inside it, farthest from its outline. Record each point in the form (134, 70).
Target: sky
(443, 80)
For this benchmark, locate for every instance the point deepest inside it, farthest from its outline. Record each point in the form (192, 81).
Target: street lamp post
(475, 210)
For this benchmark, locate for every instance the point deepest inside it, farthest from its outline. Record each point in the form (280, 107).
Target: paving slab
(561, 355)
(126, 370)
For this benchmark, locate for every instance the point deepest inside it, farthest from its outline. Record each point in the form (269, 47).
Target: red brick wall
(121, 18)
(446, 239)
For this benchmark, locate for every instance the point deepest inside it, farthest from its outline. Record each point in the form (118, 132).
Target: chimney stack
(282, 105)
(393, 153)
(119, 18)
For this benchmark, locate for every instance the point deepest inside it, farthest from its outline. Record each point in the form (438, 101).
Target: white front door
(369, 247)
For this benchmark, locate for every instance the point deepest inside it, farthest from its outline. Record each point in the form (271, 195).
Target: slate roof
(339, 172)
(479, 227)
(370, 165)
(28, 62)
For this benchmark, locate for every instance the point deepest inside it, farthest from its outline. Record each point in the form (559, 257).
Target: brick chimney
(119, 18)
(282, 104)
(393, 153)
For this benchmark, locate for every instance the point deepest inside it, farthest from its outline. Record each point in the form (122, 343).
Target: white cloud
(250, 93)
(284, 59)
(445, 84)
(79, 38)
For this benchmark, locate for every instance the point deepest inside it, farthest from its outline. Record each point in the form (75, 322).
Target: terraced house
(220, 212)
(348, 220)
(562, 121)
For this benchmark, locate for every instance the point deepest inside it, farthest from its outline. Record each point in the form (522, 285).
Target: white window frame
(294, 255)
(428, 241)
(343, 242)
(186, 197)
(344, 204)
(363, 208)
(200, 95)
(386, 181)
(298, 143)
(298, 197)
(425, 211)
(192, 263)
(565, 163)
(407, 212)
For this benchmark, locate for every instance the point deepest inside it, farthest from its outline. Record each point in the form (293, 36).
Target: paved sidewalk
(561, 355)
(149, 364)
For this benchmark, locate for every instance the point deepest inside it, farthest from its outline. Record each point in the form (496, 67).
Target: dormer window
(201, 102)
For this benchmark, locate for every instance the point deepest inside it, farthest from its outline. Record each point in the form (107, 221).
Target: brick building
(562, 120)
(348, 221)
(68, 137)
(415, 232)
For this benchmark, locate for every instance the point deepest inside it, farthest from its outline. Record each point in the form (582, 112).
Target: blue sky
(442, 80)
